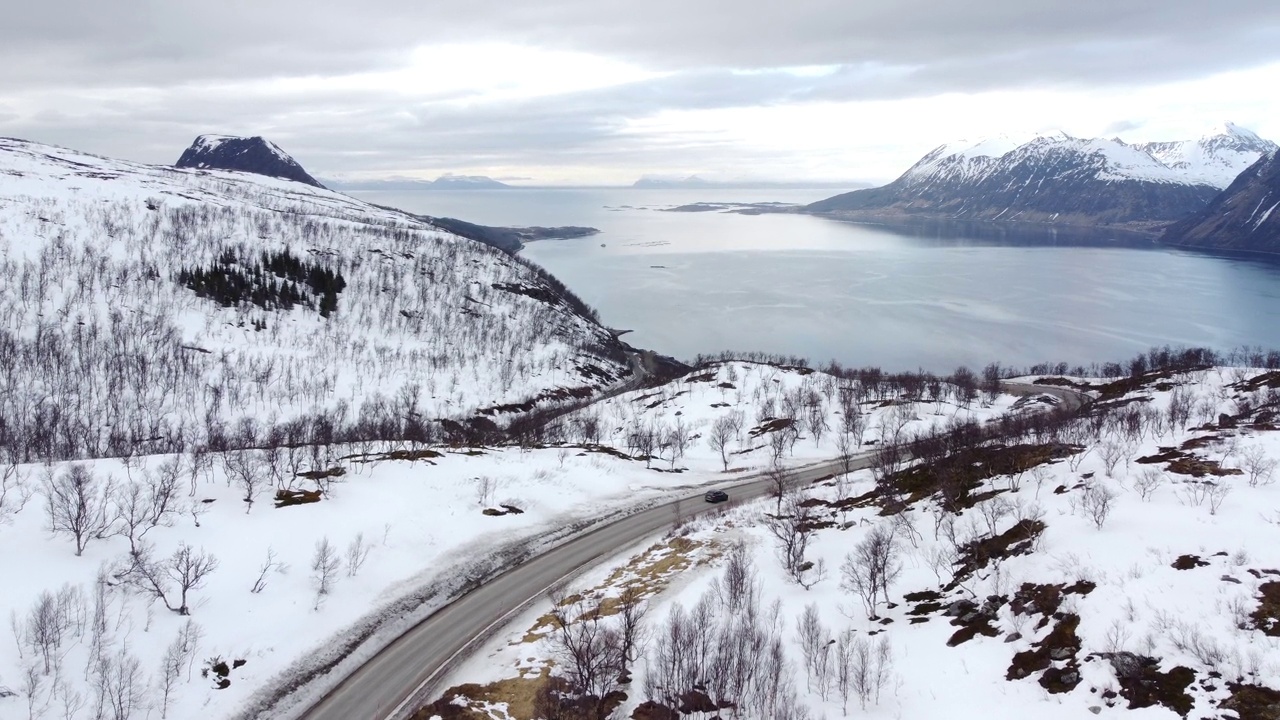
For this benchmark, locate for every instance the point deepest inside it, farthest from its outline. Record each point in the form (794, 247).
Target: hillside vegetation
(152, 310)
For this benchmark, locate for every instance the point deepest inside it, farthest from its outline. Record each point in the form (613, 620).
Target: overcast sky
(605, 91)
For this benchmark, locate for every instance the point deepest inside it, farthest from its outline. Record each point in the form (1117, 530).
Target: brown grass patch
(1060, 645)
(1143, 685)
(520, 695)
(645, 575)
(1253, 702)
(959, 474)
(1017, 540)
(338, 471)
(1267, 617)
(1186, 463)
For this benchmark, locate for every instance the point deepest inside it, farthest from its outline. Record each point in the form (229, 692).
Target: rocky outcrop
(243, 154)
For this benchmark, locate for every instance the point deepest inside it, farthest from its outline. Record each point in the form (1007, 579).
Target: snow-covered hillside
(1124, 564)
(365, 538)
(148, 309)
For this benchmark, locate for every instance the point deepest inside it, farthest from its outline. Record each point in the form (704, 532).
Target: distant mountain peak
(1052, 177)
(1234, 130)
(244, 154)
(470, 182)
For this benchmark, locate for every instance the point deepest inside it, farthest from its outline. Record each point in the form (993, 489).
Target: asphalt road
(403, 676)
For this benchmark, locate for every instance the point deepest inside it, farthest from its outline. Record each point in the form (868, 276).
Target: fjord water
(932, 298)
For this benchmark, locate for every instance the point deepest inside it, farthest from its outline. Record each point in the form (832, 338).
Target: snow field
(419, 527)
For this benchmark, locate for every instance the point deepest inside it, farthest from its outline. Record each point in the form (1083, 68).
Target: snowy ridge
(1214, 159)
(1058, 179)
(443, 325)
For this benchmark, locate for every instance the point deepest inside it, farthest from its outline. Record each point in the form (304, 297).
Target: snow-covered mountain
(148, 308)
(244, 154)
(467, 182)
(1242, 217)
(1215, 159)
(1056, 178)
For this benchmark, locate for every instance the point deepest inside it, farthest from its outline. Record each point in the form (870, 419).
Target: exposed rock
(1242, 217)
(244, 154)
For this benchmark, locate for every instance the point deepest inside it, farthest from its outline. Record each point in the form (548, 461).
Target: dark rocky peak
(244, 154)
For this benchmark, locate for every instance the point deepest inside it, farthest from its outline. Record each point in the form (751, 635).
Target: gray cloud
(164, 72)
(144, 41)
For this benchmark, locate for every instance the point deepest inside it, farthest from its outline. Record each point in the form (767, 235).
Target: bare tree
(1253, 460)
(14, 491)
(886, 461)
(589, 650)
(852, 422)
(631, 612)
(32, 686)
(844, 669)
(77, 504)
(777, 447)
(871, 568)
(189, 569)
(814, 642)
(201, 464)
(179, 653)
(677, 441)
(779, 483)
(245, 470)
(267, 566)
(738, 586)
(357, 553)
(124, 685)
(1181, 404)
(1112, 452)
(1217, 493)
(162, 491)
(130, 507)
(645, 440)
(324, 568)
(1096, 501)
(792, 526)
(816, 420)
(1148, 482)
(46, 628)
(486, 486)
(718, 439)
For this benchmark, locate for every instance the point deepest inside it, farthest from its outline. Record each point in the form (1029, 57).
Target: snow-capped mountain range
(152, 308)
(1058, 178)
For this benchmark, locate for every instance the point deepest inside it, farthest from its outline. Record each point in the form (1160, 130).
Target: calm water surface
(687, 283)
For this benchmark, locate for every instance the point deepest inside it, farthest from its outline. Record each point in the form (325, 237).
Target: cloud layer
(597, 89)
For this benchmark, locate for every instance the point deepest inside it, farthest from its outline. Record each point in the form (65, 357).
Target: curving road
(402, 676)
